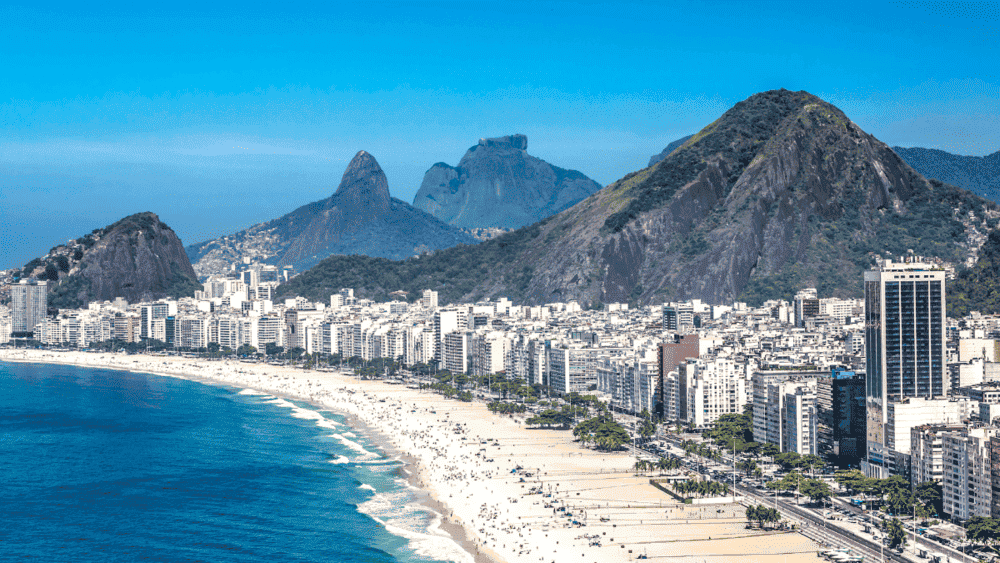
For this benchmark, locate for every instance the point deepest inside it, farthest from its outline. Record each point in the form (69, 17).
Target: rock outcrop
(781, 192)
(139, 258)
(359, 218)
(498, 184)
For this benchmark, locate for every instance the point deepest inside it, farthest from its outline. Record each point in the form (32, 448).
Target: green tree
(646, 428)
(811, 462)
(931, 495)
(816, 490)
(603, 431)
(895, 532)
(748, 466)
(788, 460)
(246, 350)
(984, 531)
(853, 480)
(896, 492)
(769, 450)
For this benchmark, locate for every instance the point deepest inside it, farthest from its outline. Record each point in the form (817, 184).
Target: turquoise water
(103, 465)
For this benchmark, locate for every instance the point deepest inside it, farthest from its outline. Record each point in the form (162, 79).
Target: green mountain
(978, 174)
(782, 191)
(138, 258)
(978, 288)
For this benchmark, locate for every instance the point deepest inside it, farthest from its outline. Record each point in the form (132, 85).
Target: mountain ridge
(978, 174)
(782, 191)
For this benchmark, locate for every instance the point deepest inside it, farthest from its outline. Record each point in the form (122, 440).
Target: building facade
(904, 346)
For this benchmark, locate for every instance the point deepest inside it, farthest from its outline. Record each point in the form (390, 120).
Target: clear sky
(218, 118)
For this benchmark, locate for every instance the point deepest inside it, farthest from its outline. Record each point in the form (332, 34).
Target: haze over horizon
(217, 120)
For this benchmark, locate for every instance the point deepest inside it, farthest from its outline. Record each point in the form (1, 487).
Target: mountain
(978, 288)
(498, 184)
(670, 148)
(978, 174)
(781, 192)
(138, 258)
(359, 218)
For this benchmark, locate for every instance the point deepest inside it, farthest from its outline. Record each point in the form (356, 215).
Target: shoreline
(485, 474)
(414, 477)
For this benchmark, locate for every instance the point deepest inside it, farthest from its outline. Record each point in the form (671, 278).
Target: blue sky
(220, 119)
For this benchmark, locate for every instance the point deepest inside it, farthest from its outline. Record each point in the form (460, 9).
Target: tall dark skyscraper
(904, 343)
(29, 303)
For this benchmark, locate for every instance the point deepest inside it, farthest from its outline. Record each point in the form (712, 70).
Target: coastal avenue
(818, 529)
(821, 530)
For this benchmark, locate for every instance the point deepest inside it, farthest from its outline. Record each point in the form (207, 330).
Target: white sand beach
(465, 456)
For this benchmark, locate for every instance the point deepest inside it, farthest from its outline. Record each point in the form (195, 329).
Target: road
(819, 530)
(929, 545)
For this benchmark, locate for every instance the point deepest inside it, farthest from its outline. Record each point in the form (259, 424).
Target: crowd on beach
(520, 495)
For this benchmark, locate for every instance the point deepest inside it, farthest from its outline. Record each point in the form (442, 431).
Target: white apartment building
(155, 312)
(456, 352)
(785, 411)
(270, 330)
(447, 321)
(489, 352)
(5, 329)
(902, 416)
(429, 299)
(571, 369)
(854, 343)
(630, 380)
(714, 387)
(192, 332)
(966, 480)
(925, 451)
(800, 419)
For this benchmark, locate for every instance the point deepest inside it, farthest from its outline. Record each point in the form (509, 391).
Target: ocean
(104, 465)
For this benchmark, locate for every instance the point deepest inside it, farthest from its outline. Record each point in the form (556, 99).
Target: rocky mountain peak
(515, 141)
(497, 184)
(363, 186)
(359, 218)
(138, 258)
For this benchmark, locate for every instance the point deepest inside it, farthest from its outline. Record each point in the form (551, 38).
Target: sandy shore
(465, 457)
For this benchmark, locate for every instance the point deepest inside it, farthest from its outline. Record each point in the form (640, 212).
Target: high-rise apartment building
(806, 305)
(840, 399)
(29, 303)
(670, 355)
(429, 299)
(904, 345)
(455, 352)
(447, 321)
(966, 473)
(151, 313)
(678, 317)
